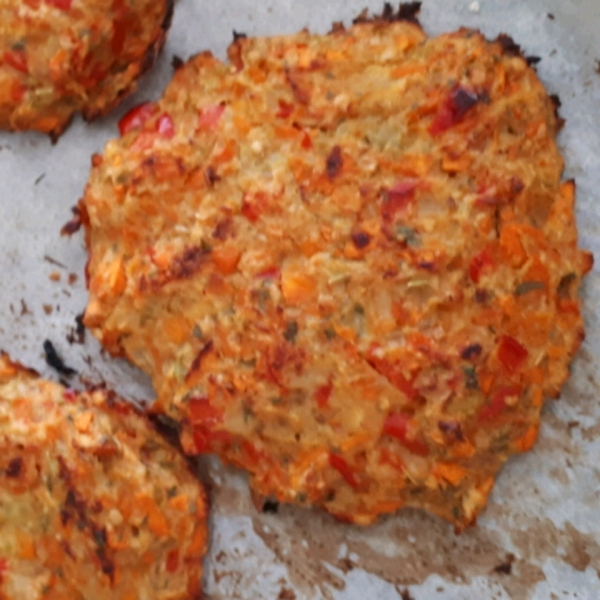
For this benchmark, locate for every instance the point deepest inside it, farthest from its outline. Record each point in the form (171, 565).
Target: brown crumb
(597, 69)
(286, 594)
(53, 261)
(551, 16)
(404, 594)
(54, 276)
(48, 309)
(72, 278)
(505, 568)
(24, 308)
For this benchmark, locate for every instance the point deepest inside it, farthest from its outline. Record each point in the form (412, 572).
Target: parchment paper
(539, 537)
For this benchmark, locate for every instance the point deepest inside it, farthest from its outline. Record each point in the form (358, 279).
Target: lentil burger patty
(94, 504)
(347, 261)
(58, 57)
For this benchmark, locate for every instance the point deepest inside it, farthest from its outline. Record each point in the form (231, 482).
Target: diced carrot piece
(26, 545)
(456, 165)
(537, 397)
(179, 502)
(157, 523)
(463, 449)
(297, 287)
(177, 329)
(511, 248)
(451, 472)
(198, 545)
(117, 280)
(83, 421)
(526, 442)
(226, 258)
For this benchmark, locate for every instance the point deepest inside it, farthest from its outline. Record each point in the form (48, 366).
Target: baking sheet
(539, 537)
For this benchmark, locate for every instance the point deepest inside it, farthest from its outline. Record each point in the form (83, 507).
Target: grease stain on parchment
(510, 548)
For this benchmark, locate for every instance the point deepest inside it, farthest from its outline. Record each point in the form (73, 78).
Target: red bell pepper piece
(396, 425)
(393, 373)
(322, 395)
(285, 109)
(479, 263)
(344, 469)
(511, 354)
(399, 196)
(201, 412)
(497, 403)
(456, 105)
(60, 4)
(136, 117)
(172, 560)
(209, 117)
(17, 60)
(165, 126)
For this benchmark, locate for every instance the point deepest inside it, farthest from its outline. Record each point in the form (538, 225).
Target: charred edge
(509, 46)
(167, 427)
(197, 363)
(337, 27)
(14, 467)
(55, 361)
(74, 225)
(407, 11)
(55, 134)
(177, 62)
(334, 163)
(76, 334)
(270, 506)
(556, 103)
(238, 35)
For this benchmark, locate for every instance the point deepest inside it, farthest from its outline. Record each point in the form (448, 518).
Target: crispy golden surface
(347, 261)
(59, 57)
(94, 504)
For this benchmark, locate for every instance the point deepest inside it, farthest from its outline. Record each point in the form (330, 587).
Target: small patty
(94, 504)
(59, 57)
(347, 261)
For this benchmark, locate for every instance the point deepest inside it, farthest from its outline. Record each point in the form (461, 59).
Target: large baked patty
(94, 504)
(347, 261)
(59, 57)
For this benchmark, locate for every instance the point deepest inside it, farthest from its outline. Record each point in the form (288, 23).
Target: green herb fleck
(528, 286)
(330, 333)
(408, 236)
(471, 381)
(263, 296)
(291, 331)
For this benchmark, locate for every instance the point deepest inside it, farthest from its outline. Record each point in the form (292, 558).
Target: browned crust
(145, 64)
(407, 11)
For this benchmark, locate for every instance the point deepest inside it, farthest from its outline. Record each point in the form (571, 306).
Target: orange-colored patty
(94, 504)
(59, 57)
(347, 261)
